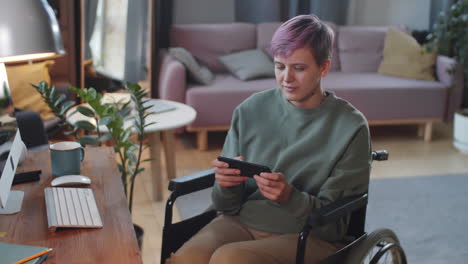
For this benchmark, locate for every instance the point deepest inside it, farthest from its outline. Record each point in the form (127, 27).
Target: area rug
(429, 214)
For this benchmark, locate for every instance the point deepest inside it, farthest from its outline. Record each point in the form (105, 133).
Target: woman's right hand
(225, 176)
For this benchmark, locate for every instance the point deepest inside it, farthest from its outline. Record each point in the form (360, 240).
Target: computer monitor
(11, 149)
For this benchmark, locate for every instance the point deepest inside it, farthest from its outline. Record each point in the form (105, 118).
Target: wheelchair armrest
(335, 210)
(192, 182)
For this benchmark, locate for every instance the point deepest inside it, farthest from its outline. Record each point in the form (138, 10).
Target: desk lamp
(28, 31)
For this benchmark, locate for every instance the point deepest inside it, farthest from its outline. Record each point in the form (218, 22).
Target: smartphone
(247, 169)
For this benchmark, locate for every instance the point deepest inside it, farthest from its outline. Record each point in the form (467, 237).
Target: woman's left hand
(274, 186)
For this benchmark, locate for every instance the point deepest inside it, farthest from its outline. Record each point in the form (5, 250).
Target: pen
(34, 256)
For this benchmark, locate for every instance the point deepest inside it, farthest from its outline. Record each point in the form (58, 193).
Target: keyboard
(71, 208)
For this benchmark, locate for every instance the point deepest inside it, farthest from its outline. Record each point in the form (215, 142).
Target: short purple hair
(303, 31)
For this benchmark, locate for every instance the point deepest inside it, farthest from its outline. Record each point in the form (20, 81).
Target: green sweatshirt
(323, 152)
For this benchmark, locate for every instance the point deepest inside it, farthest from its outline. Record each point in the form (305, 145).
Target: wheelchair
(379, 246)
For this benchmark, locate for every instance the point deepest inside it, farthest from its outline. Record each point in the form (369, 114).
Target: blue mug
(66, 157)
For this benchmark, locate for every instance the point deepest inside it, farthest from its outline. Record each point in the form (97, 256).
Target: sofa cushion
(265, 33)
(199, 73)
(404, 57)
(216, 102)
(381, 97)
(23, 94)
(249, 64)
(360, 48)
(207, 42)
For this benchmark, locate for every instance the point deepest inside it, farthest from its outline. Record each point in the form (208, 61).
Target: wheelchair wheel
(380, 246)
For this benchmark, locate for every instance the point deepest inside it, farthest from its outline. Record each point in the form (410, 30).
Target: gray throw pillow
(199, 73)
(249, 64)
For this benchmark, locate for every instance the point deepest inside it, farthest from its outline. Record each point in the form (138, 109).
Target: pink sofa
(357, 55)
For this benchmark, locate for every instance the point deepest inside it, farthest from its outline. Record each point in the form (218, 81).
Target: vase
(460, 131)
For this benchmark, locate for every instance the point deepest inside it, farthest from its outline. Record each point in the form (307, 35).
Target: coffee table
(160, 132)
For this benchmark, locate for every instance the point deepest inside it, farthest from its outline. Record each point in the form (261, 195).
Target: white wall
(203, 11)
(413, 13)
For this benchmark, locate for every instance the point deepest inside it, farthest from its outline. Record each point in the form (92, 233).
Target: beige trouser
(225, 240)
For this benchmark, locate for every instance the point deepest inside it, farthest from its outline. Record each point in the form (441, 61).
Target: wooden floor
(409, 156)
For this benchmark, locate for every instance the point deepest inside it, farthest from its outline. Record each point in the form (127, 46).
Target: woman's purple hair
(303, 31)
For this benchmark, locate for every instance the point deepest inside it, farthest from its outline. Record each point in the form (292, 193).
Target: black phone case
(247, 169)
(27, 176)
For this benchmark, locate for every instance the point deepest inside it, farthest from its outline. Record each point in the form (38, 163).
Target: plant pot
(139, 234)
(460, 131)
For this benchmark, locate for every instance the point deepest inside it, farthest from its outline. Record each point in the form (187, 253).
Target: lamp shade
(28, 30)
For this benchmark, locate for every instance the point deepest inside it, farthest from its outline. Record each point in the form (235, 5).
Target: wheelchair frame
(176, 234)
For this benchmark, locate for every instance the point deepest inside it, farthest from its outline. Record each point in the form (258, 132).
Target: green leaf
(131, 156)
(126, 104)
(146, 114)
(121, 169)
(145, 147)
(92, 93)
(125, 135)
(86, 111)
(86, 125)
(145, 108)
(52, 93)
(105, 137)
(73, 88)
(139, 130)
(149, 124)
(105, 121)
(125, 112)
(59, 100)
(42, 87)
(66, 106)
(67, 133)
(88, 140)
(140, 170)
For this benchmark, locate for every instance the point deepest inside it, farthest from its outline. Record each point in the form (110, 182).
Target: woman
(316, 144)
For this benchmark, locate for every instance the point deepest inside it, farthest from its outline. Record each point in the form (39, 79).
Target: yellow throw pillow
(404, 57)
(24, 96)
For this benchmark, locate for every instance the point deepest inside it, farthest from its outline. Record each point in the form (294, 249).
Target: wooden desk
(114, 243)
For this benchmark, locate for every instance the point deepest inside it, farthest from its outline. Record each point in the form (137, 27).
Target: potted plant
(460, 130)
(450, 37)
(128, 148)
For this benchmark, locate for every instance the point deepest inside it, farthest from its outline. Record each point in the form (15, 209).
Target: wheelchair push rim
(381, 246)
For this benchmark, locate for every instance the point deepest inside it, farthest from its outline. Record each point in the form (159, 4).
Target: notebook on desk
(14, 253)
(71, 208)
